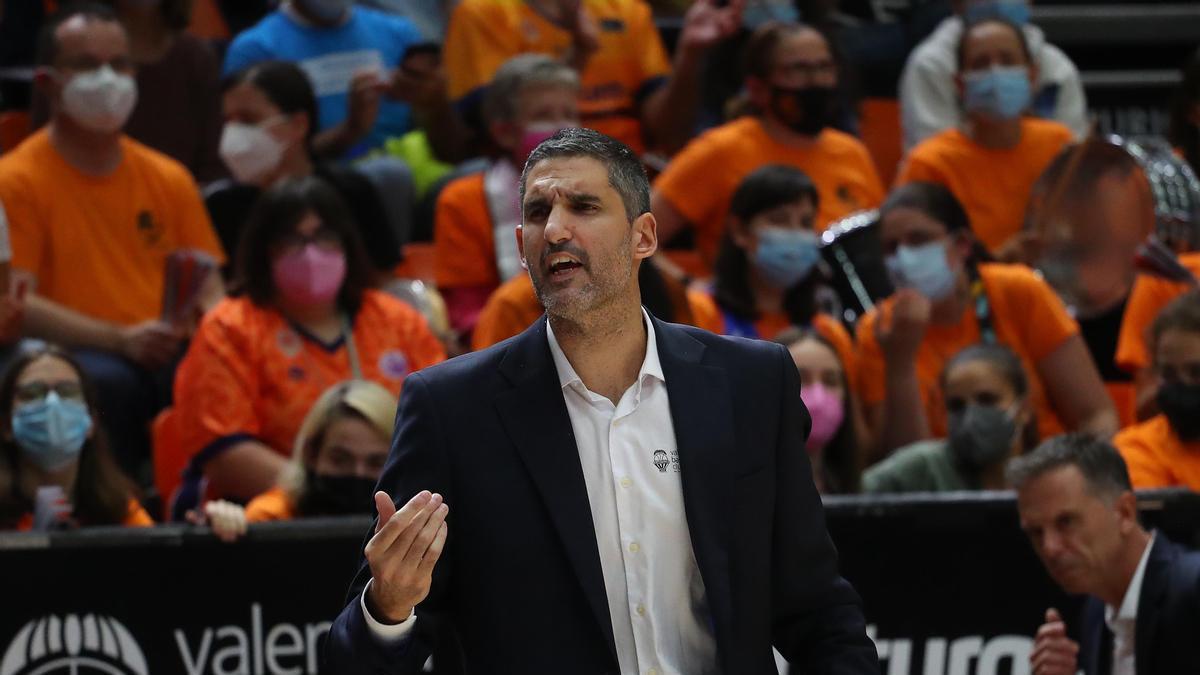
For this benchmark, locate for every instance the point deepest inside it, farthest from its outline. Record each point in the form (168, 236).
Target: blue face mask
(1002, 93)
(1015, 12)
(923, 268)
(51, 431)
(784, 257)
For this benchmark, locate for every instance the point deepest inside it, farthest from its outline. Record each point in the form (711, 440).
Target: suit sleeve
(417, 462)
(817, 620)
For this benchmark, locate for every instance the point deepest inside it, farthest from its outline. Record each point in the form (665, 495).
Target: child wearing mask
(1165, 450)
(990, 161)
(303, 318)
(337, 458)
(990, 420)
(833, 441)
(950, 298)
(52, 447)
(766, 273)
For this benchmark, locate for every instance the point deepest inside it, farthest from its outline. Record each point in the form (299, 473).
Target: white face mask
(250, 151)
(100, 99)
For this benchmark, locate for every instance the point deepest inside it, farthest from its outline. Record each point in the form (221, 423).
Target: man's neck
(608, 350)
(994, 134)
(93, 153)
(785, 135)
(1113, 594)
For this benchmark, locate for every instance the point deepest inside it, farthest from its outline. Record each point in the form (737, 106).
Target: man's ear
(519, 233)
(1127, 510)
(645, 236)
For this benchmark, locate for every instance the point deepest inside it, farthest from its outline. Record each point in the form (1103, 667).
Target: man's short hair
(47, 50)
(1183, 313)
(1102, 466)
(626, 174)
(966, 34)
(519, 73)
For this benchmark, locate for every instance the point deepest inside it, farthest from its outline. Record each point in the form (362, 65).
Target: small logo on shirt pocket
(660, 460)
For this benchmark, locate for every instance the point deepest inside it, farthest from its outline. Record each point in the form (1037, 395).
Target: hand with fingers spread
(1053, 652)
(406, 545)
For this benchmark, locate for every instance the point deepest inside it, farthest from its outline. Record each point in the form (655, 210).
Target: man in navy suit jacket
(1143, 614)
(573, 546)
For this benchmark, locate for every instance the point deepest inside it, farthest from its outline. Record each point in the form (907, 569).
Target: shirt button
(634, 548)
(641, 610)
(626, 483)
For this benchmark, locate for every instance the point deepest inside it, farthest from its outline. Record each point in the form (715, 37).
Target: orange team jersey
(1150, 294)
(464, 246)
(98, 245)
(1124, 398)
(1157, 458)
(250, 373)
(629, 63)
(274, 504)
(514, 307)
(993, 185)
(1027, 317)
(701, 179)
(135, 516)
(708, 313)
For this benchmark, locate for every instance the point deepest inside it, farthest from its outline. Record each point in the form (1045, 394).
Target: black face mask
(337, 495)
(806, 111)
(1181, 404)
(980, 436)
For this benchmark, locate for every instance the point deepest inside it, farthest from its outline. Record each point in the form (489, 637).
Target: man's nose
(558, 225)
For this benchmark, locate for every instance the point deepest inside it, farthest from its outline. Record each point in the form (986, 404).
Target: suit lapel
(1154, 586)
(535, 416)
(701, 412)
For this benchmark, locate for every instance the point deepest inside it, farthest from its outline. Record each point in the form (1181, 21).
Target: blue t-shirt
(330, 57)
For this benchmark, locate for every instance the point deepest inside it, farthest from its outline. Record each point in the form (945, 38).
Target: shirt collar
(1129, 605)
(567, 376)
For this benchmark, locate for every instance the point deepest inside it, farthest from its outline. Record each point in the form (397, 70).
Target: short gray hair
(1102, 466)
(519, 73)
(626, 174)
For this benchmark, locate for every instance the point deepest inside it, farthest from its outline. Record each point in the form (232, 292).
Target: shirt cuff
(387, 634)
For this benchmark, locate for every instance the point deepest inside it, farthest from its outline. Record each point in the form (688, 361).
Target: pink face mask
(309, 276)
(534, 135)
(826, 411)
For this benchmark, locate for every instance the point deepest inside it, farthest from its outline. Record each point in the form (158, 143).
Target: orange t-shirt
(515, 306)
(992, 184)
(274, 504)
(250, 372)
(98, 245)
(700, 181)
(135, 516)
(628, 64)
(1026, 316)
(464, 245)
(1150, 294)
(769, 325)
(1157, 458)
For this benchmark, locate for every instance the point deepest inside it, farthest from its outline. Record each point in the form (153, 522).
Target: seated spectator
(791, 82)
(990, 420)
(338, 455)
(1184, 131)
(766, 274)
(991, 162)
(950, 299)
(1165, 450)
(929, 101)
(356, 57)
(177, 110)
(51, 444)
(477, 216)
(270, 112)
(303, 318)
(833, 441)
(94, 215)
(630, 90)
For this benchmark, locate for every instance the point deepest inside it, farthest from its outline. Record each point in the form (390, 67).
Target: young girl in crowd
(49, 443)
(949, 298)
(338, 456)
(767, 270)
(990, 420)
(302, 318)
(833, 441)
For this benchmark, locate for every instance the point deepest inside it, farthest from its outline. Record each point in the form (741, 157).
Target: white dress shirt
(1123, 622)
(631, 467)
